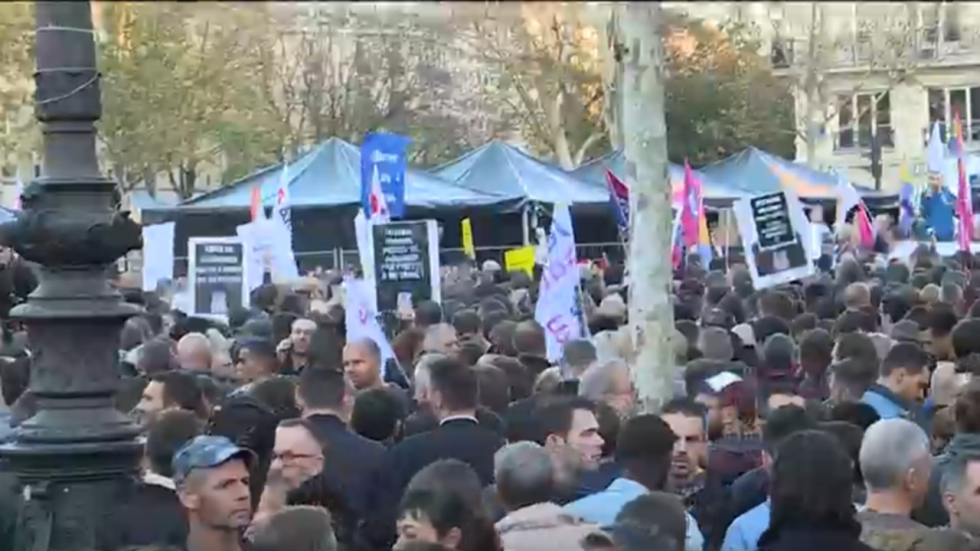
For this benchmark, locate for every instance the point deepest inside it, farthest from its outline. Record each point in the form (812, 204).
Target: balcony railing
(787, 53)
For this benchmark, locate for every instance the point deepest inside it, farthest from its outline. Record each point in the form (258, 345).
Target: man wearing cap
(211, 476)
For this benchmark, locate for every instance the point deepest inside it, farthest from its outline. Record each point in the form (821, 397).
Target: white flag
(558, 309)
(285, 269)
(361, 320)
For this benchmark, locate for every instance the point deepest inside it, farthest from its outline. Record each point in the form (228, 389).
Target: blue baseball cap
(205, 452)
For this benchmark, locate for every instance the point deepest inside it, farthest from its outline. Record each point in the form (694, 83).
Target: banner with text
(386, 155)
(217, 276)
(406, 263)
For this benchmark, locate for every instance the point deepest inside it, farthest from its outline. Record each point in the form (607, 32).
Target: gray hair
(597, 381)
(422, 379)
(889, 450)
(525, 474)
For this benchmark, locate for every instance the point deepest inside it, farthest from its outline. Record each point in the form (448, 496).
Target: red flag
(866, 231)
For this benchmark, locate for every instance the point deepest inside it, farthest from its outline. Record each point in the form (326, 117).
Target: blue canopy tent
(755, 172)
(326, 179)
(329, 175)
(716, 194)
(504, 171)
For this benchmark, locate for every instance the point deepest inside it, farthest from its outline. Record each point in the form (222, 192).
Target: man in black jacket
(454, 395)
(326, 398)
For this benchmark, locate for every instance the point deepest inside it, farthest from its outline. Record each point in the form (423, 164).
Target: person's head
(433, 517)
(440, 338)
(297, 454)
(779, 356)
(494, 387)
(453, 388)
(525, 475)
(194, 352)
(278, 395)
(212, 480)
(856, 413)
(895, 461)
(297, 528)
(856, 346)
(377, 415)
(324, 390)
(577, 356)
(966, 408)
(170, 390)
(609, 383)
(443, 503)
(569, 430)
(857, 295)
(687, 419)
(816, 352)
(942, 320)
(422, 381)
(905, 371)
(256, 359)
(715, 343)
(156, 356)
(811, 484)
(855, 321)
(644, 450)
(780, 424)
(301, 335)
(653, 521)
(850, 378)
(960, 487)
(428, 313)
(529, 339)
(362, 363)
(168, 433)
(468, 324)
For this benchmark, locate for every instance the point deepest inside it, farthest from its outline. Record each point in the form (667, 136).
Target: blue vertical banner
(384, 155)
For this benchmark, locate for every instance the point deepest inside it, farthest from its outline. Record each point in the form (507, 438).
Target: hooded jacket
(545, 526)
(932, 513)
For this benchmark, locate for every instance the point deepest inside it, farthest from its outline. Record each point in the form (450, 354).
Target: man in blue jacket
(937, 205)
(902, 381)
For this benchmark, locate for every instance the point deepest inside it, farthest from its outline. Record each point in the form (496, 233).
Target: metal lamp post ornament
(76, 455)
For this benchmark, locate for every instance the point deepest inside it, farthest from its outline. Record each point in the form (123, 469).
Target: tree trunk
(645, 138)
(812, 85)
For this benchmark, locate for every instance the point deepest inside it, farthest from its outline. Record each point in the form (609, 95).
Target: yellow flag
(520, 259)
(466, 227)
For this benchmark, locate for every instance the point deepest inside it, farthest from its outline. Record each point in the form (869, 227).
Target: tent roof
(713, 190)
(329, 175)
(756, 171)
(505, 171)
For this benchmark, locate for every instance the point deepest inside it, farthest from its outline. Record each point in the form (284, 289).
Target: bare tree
(640, 50)
(547, 63)
(338, 71)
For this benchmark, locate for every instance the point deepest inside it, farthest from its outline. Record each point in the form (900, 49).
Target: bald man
(362, 364)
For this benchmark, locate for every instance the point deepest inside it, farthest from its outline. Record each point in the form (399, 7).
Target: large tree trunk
(645, 138)
(812, 85)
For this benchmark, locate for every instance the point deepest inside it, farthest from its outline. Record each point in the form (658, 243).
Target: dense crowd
(837, 413)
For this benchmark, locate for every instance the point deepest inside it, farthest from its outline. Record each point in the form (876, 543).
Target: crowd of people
(837, 413)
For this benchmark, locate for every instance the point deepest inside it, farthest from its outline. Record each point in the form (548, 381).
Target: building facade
(868, 70)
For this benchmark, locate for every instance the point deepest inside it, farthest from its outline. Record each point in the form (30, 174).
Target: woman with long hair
(810, 497)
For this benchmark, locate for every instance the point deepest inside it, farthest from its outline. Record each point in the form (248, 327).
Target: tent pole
(526, 225)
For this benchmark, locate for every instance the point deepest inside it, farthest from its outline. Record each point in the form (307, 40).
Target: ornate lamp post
(78, 451)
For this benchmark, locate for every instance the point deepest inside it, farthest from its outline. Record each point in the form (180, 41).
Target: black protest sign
(773, 226)
(406, 261)
(217, 275)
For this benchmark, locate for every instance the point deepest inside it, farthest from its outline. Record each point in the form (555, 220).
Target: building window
(860, 116)
(945, 103)
(951, 22)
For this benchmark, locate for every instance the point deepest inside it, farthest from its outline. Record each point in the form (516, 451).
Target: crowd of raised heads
(837, 413)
